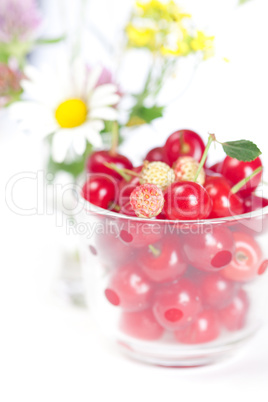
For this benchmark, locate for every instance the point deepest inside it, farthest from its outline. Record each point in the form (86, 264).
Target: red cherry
(126, 209)
(177, 304)
(186, 201)
(95, 163)
(209, 173)
(205, 328)
(125, 189)
(235, 171)
(100, 190)
(233, 317)
(161, 216)
(217, 291)
(183, 143)
(211, 250)
(164, 262)
(112, 252)
(246, 261)
(129, 288)
(137, 234)
(217, 168)
(224, 202)
(252, 203)
(156, 155)
(141, 325)
(124, 193)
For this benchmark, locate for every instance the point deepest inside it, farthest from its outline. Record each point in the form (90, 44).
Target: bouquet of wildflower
(74, 105)
(168, 34)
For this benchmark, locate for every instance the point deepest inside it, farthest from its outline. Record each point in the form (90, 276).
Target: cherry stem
(131, 173)
(241, 183)
(115, 137)
(154, 250)
(117, 208)
(211, 139)
(184, 147)
(113, 166)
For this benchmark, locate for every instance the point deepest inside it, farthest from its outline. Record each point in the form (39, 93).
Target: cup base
(183, 356)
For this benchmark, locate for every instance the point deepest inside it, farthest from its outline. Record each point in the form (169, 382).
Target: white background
(52, 351)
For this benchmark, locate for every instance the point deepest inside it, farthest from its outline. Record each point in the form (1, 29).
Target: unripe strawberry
(158, 173)
(147, 200)
(185, 169)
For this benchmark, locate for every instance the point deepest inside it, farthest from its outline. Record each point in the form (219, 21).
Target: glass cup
(175, 293)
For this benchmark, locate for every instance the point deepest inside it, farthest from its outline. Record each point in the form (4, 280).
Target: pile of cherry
(189, 281)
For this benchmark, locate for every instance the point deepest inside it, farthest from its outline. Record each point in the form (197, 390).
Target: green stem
(131, 173)
(241, 183)
(158, 83)
(43, 41)
(143, 95)
(80, 24)
(211, 139)
(115, 137)
(155, 251)
(184, 147)
(113, 166)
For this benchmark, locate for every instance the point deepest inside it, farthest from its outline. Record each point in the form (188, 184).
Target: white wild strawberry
(185, 169)
(158, 173)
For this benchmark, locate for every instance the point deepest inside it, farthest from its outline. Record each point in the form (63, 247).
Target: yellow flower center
(71, 113)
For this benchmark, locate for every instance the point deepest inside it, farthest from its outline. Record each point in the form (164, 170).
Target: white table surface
(51, 350)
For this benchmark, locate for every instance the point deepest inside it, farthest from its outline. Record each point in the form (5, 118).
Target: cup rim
(104, 212)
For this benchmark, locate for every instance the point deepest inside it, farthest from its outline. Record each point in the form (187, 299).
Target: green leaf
(242, 150)
(75, 168)
(241, 2)
(50, 41)
(4, 57)
(149, 114)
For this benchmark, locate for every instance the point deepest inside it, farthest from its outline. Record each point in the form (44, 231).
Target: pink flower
(9, 84)
(18, 19)
(106, 77)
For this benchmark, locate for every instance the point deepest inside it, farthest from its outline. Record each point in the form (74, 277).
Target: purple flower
(9, 84)
(18, 19)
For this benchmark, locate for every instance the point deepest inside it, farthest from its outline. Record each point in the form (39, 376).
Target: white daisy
(66, 101)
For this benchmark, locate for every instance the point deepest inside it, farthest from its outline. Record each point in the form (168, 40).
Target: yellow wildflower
(157, 10)
(182, 49)
(165, 51)
(204, 43)
(159, 27)
(141, 37)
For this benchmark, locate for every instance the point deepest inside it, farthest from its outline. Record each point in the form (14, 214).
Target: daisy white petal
(96, 125)
(93, 78)
(29, 115)
(33, 91)
(79, 77)
(79, 139)
(61, 142)
(93, 135)
(105, 113)
(32, 73)
(105, 101)
(103, 91)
